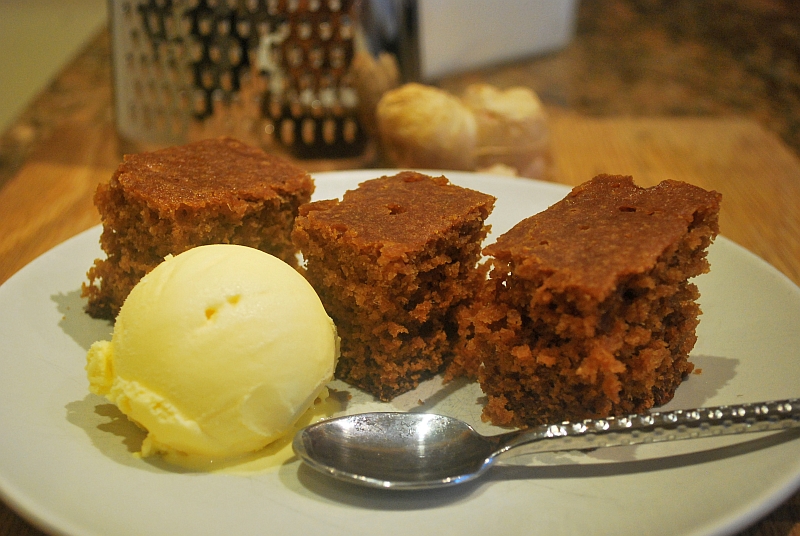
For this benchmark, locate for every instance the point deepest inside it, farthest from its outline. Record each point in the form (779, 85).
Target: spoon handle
(656, 427)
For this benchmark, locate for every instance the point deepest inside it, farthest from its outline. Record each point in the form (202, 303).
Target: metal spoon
(424, 450)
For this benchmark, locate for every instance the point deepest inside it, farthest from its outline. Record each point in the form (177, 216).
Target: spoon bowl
(394, 450)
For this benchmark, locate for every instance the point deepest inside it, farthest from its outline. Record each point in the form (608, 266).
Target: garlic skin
(486, 128)
(512, 128)
(426, 128)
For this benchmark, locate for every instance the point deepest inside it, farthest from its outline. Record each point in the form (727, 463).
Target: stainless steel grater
(274, 73)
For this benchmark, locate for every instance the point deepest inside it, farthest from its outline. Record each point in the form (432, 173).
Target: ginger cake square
(589, 310)
(167, 201)
(392, 262)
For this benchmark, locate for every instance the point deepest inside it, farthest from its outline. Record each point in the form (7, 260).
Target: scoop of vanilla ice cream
(216, 352)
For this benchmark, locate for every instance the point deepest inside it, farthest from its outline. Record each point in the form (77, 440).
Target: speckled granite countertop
(629, 57)
(674, 57)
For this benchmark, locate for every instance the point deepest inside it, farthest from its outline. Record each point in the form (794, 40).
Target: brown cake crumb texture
(588, 311)
(392, 262)
(168, 201)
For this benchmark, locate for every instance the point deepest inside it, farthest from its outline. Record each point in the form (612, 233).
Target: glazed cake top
(603, 230)
(403, 211)
(209, 172)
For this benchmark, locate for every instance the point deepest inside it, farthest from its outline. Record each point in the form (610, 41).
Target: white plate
(65, 460)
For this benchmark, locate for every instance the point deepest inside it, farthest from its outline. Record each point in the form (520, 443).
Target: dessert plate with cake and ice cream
(73, 463)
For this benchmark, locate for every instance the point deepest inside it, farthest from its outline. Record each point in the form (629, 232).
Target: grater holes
(287, 132)
(304, 30)
(243, 28)
(199, 102)
(345, 28)
(205, 51)
(205, 25)
(349, 130)
(223, 27)
(336, 57)
(215, 53)
(325, 30)
(308, 131)
(329, 131)
(251, 5)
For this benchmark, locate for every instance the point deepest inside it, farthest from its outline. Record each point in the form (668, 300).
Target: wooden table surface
(49, 199)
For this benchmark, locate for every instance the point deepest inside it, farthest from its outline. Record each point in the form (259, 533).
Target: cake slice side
(391, 262)
(168, 201)
(591, 312)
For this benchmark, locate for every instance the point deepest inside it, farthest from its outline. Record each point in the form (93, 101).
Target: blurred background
(593, 57)
(37, 39)
(622, 57)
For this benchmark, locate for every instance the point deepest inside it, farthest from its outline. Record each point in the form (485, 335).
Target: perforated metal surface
(265, 71)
